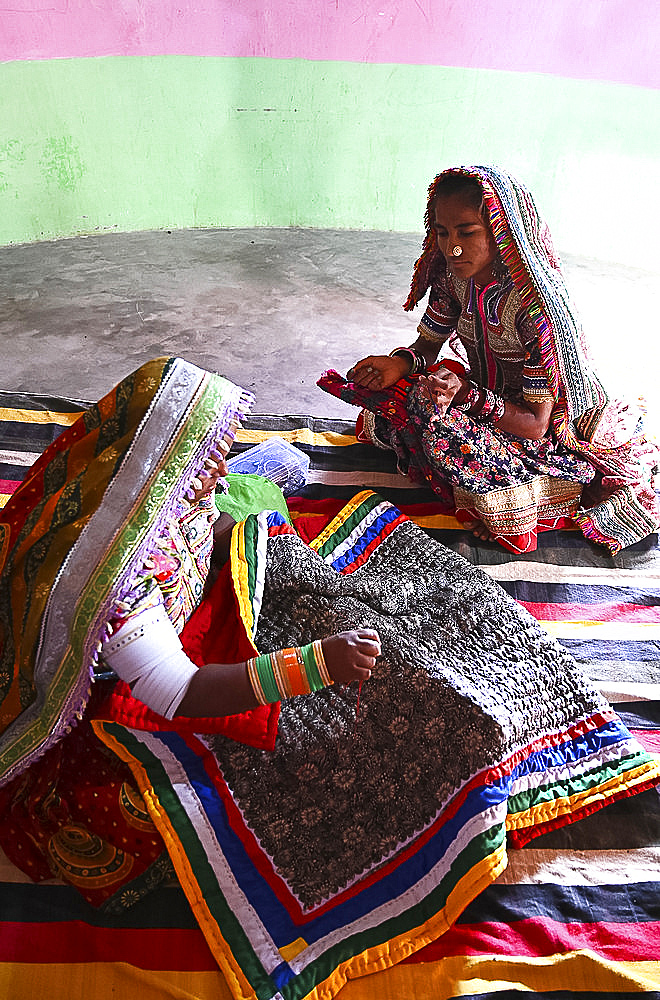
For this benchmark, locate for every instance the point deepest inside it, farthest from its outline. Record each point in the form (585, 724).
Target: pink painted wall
(612, 40)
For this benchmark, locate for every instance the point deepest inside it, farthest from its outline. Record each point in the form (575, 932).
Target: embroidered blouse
(495, 331)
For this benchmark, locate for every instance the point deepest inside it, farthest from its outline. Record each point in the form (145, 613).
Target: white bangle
(147, 654)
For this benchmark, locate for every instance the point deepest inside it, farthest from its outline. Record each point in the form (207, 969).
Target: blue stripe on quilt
(474, 811)
(367, 531)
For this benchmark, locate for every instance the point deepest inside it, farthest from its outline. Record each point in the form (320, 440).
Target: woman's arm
(380, 371)
(146, 652)
(429, 349)
(529, 420)
(225, 689)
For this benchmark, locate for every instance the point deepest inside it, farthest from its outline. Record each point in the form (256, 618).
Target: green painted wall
(164, 142)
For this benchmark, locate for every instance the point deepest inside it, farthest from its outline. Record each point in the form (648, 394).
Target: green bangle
(264, 669)
(288, 672)
(314, 680)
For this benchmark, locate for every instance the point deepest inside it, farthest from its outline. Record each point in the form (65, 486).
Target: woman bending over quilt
(143, 648)
(515, 431)
(146, 652)
(315, 842)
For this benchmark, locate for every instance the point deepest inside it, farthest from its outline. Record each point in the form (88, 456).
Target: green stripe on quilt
(578, 784)
(251, 531)
(352, 522)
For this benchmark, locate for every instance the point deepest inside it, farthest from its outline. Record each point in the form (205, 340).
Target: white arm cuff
(147, 653)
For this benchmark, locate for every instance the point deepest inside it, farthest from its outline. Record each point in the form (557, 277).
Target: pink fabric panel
(588, 39)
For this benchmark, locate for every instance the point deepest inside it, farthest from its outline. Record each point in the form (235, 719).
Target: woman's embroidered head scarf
(77, 534)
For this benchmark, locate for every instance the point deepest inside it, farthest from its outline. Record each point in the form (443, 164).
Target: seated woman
(515, 431)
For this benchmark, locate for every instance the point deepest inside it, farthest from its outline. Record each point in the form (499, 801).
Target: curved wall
(150, 114)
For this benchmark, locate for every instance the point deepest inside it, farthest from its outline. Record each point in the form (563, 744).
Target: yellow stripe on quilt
(208, 925)
(300, 435)
(454, 976)
(340, 519)
(239, 572)
(437, 521)
(545, 812)
(96, 980)
(289, 951)
(38, 416)
(397, 948)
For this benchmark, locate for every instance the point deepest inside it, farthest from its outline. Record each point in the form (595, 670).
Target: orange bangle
(296, 679)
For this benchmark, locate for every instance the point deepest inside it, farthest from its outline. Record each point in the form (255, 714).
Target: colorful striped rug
(577, 912)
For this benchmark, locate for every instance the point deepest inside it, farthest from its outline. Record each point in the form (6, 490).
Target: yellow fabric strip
(449, 977)
(301, 435)
(437, 521)
(98, 980)
(337, 521)
(289, 951)
(580, 972)
(239, 573)
(455, 976)
(39, 416)
(548, 811)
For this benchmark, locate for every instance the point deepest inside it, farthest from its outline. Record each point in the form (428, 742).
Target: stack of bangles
(288, 672)
(418, 361)
(482, 404)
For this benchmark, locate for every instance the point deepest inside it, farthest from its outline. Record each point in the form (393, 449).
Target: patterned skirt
(515, 486)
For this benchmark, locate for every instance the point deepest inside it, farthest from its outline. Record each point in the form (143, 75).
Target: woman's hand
(351, 656)
(379, 371)
(444, 388)
(206, 481)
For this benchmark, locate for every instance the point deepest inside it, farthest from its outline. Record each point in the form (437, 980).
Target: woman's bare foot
(479, 530)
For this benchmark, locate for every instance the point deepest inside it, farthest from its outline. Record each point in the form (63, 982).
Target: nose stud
(457, 251)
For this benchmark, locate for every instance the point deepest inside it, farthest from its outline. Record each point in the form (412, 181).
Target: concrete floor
(268, 308)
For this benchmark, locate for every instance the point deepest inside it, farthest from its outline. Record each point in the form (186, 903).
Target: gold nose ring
(457, 251)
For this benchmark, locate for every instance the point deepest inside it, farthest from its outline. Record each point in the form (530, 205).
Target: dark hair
(468, 188)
